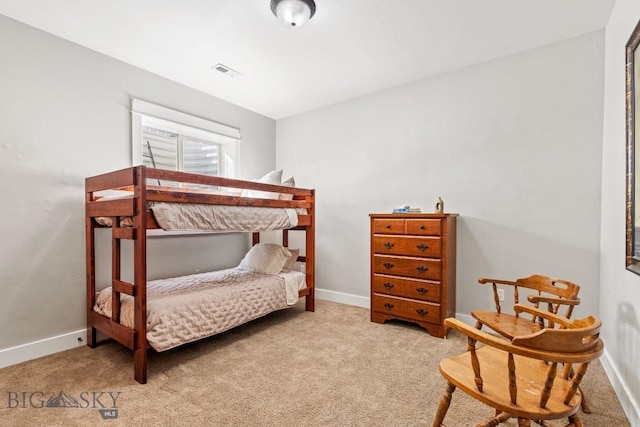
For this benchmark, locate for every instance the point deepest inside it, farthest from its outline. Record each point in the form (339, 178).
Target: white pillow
(273, 177)
(290, 182)
(267, 258)
(291, 261)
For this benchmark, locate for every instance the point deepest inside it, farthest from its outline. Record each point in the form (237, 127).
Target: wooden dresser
(413, 269)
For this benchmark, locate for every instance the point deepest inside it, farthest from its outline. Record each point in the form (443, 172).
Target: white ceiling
(350, 48)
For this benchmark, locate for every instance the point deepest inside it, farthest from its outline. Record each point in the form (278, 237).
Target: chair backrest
(581, 337)
(555, 293)
(550, 285)
(544, 285)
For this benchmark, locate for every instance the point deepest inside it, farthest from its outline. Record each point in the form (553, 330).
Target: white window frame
(144, 113)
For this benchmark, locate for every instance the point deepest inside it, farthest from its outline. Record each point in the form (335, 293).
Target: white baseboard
(45, 347)
(629, 405)
(343, 298)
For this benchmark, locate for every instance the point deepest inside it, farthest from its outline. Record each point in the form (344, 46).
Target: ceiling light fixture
(293, 13)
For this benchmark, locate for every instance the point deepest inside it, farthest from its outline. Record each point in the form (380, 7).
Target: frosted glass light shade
(293, 13)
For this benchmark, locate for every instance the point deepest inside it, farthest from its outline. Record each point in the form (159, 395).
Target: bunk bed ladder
(136, 338)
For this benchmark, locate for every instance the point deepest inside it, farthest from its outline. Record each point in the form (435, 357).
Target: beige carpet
(292, 368)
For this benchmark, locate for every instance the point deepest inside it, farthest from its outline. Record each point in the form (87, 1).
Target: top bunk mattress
(194, 216)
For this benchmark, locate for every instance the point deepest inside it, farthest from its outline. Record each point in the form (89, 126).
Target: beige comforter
(180, 216)
(189, 217)
(185, 309)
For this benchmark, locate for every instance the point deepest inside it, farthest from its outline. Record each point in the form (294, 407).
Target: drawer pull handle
(388, 226)
(388, 245)
(388, 265)
(388, 305)
(422, 291)
(422, 227)
(422, 312)
(422, 247)
(421, 268)
(388, 285)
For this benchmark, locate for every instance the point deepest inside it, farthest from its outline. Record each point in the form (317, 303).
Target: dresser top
(412, 215)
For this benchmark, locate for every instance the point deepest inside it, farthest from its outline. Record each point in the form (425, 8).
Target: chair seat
(531, 373)
(507, 325)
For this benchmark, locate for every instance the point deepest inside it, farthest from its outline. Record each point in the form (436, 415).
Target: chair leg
(524, 422)
(569, 373)
(443, 407)
(583, 404)
(575, 421)
(498, 419)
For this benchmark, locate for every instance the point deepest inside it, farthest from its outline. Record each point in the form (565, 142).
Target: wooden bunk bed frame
(136, 207)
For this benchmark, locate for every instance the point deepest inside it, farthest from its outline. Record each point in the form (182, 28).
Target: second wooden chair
(543, 290)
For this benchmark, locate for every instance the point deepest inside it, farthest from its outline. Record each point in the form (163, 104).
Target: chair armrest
(564, 301)
(507, 346)
(477, 334)
(554, 318)
(493, 341)
(484, 280)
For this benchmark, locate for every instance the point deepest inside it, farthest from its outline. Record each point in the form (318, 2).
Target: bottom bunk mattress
(188, 308)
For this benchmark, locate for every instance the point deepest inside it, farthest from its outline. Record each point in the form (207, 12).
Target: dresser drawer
(420, 268)
(424, 227)
(428, 247)
(409, 309)
(408, 288)
(388, 226)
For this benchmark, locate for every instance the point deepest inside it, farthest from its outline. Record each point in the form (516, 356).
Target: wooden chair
(555, 293)
(520, 377)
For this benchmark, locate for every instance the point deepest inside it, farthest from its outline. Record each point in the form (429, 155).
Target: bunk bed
(139, 206)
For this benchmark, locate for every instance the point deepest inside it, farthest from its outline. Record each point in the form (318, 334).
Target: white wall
(512, 145)
(64, 115)
(619, 288)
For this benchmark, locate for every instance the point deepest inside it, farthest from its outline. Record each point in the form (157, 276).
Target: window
(168, 139)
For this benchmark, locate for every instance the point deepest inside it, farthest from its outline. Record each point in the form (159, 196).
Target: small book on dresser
(406, 209)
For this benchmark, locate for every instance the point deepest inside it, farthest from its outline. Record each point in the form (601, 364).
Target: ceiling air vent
(226, 70)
